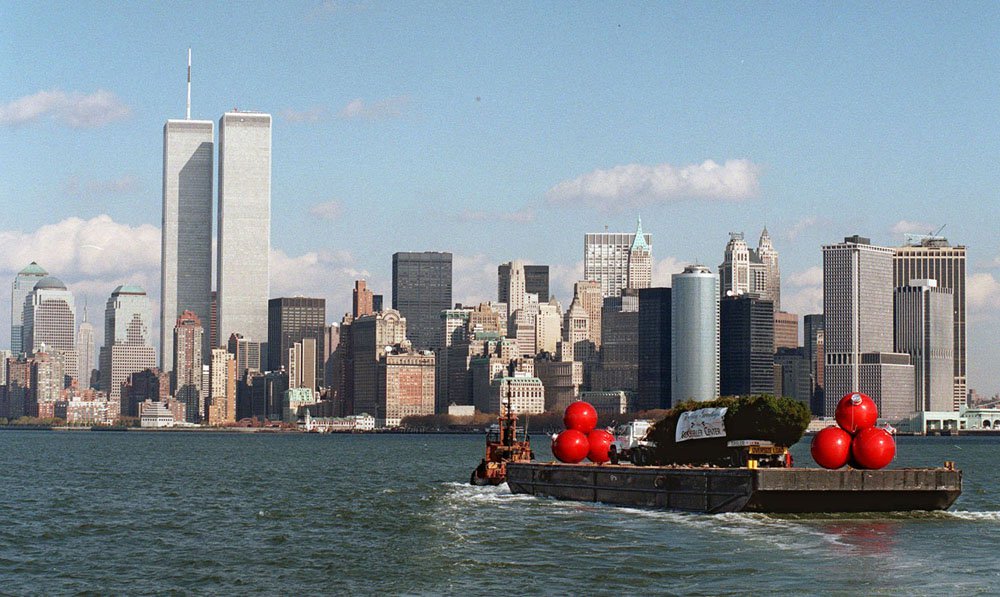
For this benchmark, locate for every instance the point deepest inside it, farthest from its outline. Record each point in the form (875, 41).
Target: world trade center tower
(244, 224)
(186, 245)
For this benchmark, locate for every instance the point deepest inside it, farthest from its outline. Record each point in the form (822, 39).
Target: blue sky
(507, 131)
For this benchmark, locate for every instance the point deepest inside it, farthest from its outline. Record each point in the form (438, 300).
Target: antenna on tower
(189, 85)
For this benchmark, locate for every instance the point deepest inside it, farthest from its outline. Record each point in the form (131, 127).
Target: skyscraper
(536, 281)
(49, 318)
(188, 341)
(291, 320)
(924, 329)
(607, 255)
(421, 289)
(362, 299)
(858, 328)
(694, 335)
(751, 271)
(654, 348)
(619, 359)
(127, 346)
(186, 233)
(511, 288)
(746, 353)
(85, 351)
(244, 240)
(23, 284)
(932, 258)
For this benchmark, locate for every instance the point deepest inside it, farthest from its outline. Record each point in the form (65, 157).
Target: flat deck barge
(716, 490)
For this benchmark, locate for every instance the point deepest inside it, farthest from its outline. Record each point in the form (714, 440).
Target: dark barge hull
(715, 490)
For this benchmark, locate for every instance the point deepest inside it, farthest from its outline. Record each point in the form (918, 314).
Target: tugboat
(504, 444)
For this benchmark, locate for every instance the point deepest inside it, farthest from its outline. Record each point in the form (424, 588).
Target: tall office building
(654, 349)
(362, 299)
(23, 284)
(246, 352)
(607, 255)
(814, 340)
(244, 229)
(421, 289)
(786, 329)
(619, 361)
(931, 257)
(128, 346)
(186, 231)
(751, 271)
(858, 328)
(694, 335)
(291, 320)
(370, 335)
(188, 342)
(85, 351)
(924, 330)
(49, 318)
(512, 287)
(536, 281)
(221, 400)
(746, 353)
(587, 293)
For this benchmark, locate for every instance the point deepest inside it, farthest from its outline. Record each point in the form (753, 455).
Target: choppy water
(295, 514)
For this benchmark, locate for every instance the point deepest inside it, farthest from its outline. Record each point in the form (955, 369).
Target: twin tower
(244, 228)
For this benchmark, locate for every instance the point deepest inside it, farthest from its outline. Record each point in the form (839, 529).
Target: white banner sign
(701, 423)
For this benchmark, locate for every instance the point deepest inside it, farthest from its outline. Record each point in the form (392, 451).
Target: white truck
(630, 442)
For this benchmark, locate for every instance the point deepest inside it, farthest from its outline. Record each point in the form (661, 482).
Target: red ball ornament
(856, 411)
(873, 448)
(831, 447)
(570, 446)
(580, 416)
(600, 443)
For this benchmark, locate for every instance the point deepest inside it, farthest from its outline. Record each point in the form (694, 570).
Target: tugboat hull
(716, 490)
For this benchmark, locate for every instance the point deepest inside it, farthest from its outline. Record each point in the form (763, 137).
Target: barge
(717, 490)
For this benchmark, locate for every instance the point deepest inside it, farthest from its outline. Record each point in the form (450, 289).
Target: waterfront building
(128, 344)
(331, 339)
(746, 346)
(361, 299)
(813, 339)
(456, 337)
(246, 352)
(186, 227)
(694, 335)
(791, 366)
(221, 403)
(97, 409)
(24, 283)
(924, 330)
(155, 415)
(618, 368)
(751, 271)
(85, 351)
(523, 395)
(562, 380)
(786, 330)
(244, 225)
(370, 335)
(17, 373)
(49, 319)
(858, 327)
(148, 384)
(535, 279)
(608, 255)
(421, 289)
(654, 349)
(932, 258)
(293, 320)
(405, 385)
(46, 384)
(187, 366)
(610, 402)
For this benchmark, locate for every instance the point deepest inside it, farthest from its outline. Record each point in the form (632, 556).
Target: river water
(140, 513)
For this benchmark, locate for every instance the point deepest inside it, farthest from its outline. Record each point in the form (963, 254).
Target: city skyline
(94, 218)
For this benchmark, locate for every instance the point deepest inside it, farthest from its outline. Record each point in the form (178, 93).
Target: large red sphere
(570, 446)
(600, 443)
(831, 447)
(873, 448)
(580, 416)
(856, 411)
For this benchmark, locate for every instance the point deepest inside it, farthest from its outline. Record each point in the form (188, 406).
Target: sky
(499, 131)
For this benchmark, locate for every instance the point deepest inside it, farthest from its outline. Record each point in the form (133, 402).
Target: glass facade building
(694, 335)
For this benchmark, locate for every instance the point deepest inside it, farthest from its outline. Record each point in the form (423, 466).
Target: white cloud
(562, 277)
(314, 114)
(636, 185)
(664, 268)
(804, 224)
(803, 293)
(904, 226)
(474, 278)
(329, 210)
(321, 274)
(392, 107)
(520, 216)
(982, 292)
(75, 109)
